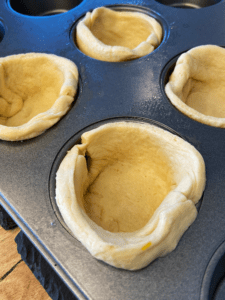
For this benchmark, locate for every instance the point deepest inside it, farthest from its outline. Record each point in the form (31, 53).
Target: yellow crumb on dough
(146, 246)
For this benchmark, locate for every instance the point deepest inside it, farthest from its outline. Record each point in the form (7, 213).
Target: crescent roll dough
(110, 35)
(36, 90)
(128, 192)
(197, 85)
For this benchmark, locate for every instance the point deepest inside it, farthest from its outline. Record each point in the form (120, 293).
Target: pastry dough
(128, 192)
(114, 36)
(36, 90)
(197, 85)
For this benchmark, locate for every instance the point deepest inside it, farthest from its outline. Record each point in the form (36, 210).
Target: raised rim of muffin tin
(191, 130)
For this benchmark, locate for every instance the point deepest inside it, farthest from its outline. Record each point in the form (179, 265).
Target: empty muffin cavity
(2, 31)
(189, 4)
(43, 7)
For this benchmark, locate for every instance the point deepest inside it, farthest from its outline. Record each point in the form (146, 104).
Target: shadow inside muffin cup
(167, 71)
(189, 4)
(220, 291)
(2, 31)
(43, 7)
(213, 286)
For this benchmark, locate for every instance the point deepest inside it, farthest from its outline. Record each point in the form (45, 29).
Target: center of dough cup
(36, 90)
(128, 192)
(110, 35)
(197, 85)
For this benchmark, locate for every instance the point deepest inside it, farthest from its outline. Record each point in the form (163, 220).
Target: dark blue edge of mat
(41, 269)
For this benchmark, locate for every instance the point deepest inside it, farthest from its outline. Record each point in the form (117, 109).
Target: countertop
(16, 280)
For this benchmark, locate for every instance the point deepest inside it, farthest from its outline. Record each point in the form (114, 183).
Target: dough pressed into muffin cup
(114, 36)
(196, 86)
(36, 90)
(128, 192)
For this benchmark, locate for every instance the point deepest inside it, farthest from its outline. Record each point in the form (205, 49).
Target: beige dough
(135, 180)
(128, 192)
(197, 85)
(110, 35)
(36, 90)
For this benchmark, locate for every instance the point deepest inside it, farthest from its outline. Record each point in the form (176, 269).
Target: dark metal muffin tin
(132, 90)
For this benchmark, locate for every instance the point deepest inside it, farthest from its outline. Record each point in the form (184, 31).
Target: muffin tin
(132, 90)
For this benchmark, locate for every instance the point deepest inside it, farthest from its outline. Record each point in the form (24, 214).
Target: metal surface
(132, 89)
(43, 7)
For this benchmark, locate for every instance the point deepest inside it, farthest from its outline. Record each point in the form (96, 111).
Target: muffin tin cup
(213, 282)
(190, 4)
(76, 139)
(43, 7)
(2, 31)
(131, 90)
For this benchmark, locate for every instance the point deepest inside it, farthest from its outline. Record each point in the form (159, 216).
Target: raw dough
(197, 85)
(36, 90)
(128, 192)
(111, 35)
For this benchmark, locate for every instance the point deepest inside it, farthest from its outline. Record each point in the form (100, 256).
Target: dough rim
(126, 249)
(178, 80)
(41, 122)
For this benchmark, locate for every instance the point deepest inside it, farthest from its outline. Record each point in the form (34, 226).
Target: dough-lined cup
(128, 192)
(114, 36)
(36, 90)
(197, 85)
